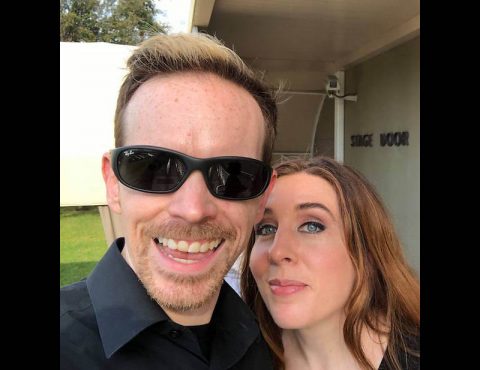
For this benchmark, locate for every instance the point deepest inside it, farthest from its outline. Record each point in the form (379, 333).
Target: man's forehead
(197, 111)
(181, 87)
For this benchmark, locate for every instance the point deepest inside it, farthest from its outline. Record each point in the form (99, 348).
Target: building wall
(388, 88)
(91, 74)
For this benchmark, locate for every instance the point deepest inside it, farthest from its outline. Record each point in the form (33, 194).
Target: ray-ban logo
(129, 152)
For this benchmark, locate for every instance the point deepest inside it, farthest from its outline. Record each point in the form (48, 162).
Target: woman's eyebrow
(268, 211)
(313, 205)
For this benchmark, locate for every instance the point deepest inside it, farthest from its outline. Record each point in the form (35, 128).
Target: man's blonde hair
(166, 54)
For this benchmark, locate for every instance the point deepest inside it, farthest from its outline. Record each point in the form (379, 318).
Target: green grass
(82, 242)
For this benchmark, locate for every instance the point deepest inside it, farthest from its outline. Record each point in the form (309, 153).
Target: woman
(335, 290)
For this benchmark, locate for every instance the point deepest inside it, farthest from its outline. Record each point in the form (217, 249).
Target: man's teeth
(181, 260)
(194, 247)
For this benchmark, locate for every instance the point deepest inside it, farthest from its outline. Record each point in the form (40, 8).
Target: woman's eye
(265, 229)
(312, 227)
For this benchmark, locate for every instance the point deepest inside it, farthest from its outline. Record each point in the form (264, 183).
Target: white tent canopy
(90, 77)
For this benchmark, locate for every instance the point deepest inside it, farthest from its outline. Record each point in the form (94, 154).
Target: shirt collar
(122, 305)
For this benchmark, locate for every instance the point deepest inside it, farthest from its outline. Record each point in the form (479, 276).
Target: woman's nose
(282, 249)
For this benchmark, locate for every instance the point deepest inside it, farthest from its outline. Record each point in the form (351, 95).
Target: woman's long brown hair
(386, 289)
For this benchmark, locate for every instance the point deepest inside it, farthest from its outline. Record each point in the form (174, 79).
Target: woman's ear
(111, 184)
(264, 198)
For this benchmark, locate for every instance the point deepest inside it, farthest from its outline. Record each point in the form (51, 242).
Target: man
(188, 110)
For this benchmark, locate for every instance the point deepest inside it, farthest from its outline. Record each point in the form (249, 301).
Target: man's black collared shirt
(108, 321)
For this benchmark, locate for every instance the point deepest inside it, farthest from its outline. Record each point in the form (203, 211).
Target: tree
(116, 21)
(79, 20)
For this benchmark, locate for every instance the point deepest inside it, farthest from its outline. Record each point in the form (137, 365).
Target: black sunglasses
(157, 170)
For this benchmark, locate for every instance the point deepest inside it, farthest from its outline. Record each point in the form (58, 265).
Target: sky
(176, 13)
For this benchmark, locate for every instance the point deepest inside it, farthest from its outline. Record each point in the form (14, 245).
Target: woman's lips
(286, 287)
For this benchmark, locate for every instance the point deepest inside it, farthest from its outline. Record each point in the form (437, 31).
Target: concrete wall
(388, 88)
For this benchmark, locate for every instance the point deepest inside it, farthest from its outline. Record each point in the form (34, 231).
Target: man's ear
(264, 198)
(111, 183)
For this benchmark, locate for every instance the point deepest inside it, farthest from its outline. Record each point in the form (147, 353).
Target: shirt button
(174, 334)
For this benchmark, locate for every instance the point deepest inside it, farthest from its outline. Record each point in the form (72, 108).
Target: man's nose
(193, 202)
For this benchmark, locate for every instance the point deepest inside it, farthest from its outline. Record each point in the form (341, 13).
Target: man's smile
(187, 252)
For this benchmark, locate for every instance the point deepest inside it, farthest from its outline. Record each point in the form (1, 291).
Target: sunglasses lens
(150, 170)
(238, 179)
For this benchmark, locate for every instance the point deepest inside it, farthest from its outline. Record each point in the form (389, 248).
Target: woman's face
(300, 260)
